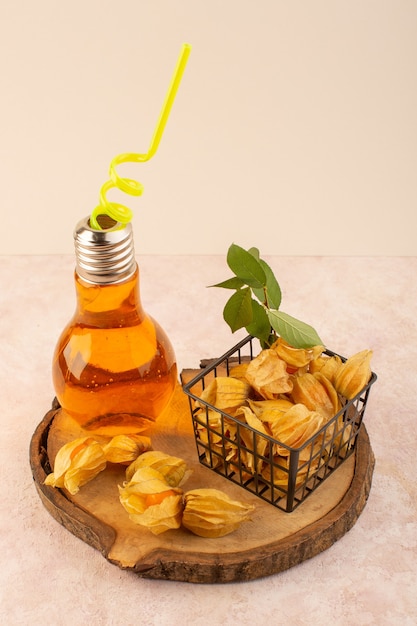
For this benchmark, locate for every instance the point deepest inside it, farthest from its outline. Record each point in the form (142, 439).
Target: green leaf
(246, 266)
(254, 252)
(237, 312)
(230, 283)
(293, 331)
(260, 326)
(270, 295)
(260, 314)
(260, 294)
(273, 290)
(271, 340)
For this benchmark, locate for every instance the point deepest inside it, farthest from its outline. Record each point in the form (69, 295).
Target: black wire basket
(246, 456)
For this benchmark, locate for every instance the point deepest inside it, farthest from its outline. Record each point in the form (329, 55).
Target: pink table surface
(48, 576)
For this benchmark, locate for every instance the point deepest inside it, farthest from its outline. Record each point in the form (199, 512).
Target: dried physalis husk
(76, 463)
(280, 473)
(267, 410)
(326, 365)
(295, 357)
(210, 437)
(295, 428)
(173, 469)
(226, 393)
(247, 437)
(217, 448)
(317, 393)
(343, 438)
(354, 374)
(151, 502)
(211, 422)
(330, 390)
(267, 374)
(126, 448)
(239, 371)
(212, 513)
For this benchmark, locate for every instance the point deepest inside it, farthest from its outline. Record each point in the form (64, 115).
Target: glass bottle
(114, 368)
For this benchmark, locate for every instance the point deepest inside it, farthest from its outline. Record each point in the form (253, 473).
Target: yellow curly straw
(114, 210)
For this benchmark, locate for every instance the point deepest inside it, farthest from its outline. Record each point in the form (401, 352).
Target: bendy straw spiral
(119, 212)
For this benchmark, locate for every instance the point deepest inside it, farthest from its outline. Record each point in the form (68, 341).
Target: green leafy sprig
(256, 301)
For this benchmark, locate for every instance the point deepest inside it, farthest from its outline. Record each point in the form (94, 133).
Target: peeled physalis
(151, 502)
(212, 513)
(76, 463)
(152, 494)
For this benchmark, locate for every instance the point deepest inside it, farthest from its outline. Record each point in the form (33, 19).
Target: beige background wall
(294, 129)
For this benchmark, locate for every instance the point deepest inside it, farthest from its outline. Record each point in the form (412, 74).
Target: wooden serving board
(271, 542)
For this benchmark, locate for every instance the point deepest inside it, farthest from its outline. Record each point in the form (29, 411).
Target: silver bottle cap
(104, 256)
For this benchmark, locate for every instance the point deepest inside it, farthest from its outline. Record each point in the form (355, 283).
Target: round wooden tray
(271, 542)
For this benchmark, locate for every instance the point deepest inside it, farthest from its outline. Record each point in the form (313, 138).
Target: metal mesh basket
(247, 456)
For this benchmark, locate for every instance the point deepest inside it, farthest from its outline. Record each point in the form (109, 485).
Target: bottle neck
(111, 306)
(106, 275)
(104, 257)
